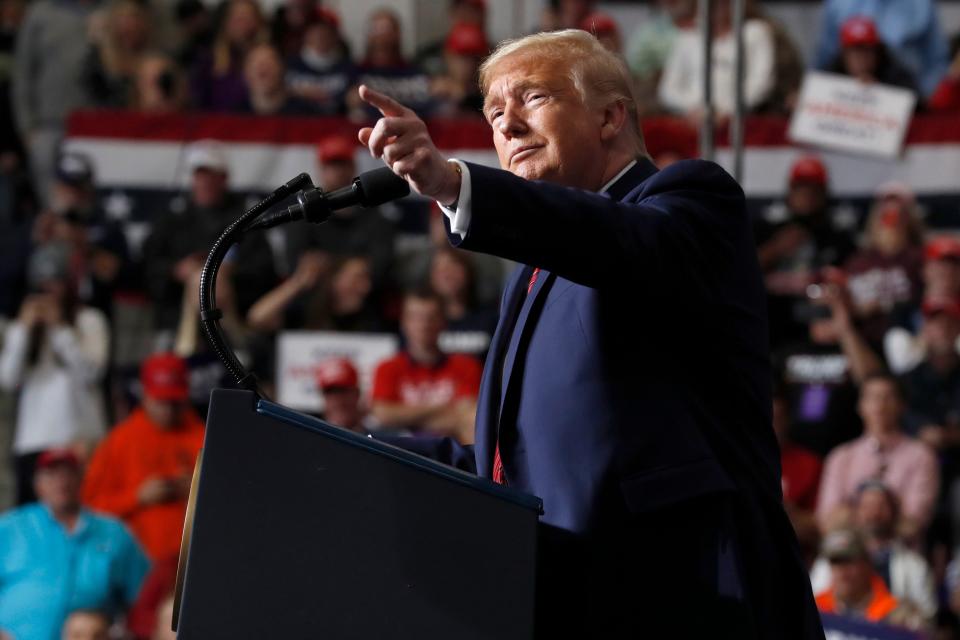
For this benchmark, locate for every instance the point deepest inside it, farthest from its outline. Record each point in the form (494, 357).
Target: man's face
(83, 625)
(341, 406)
(337, 174)
(264, 71)
(166, 414)
(860, 62)
(208, 187)
(421, 323)
(940, 333)
(874, 513)
(941, 279)
(880, 406)
(542, 129)
(851, 579)
(58, 487)
(805, 198)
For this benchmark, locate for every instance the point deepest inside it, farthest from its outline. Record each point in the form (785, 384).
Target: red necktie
(498, 475)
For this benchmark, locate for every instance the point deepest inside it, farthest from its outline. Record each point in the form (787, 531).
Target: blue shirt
(909, 28)
(47, 572)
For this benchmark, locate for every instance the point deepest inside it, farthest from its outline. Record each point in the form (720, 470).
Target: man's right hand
(157, 490)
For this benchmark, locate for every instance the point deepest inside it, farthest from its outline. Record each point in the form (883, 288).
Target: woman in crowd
(159, 85)
(470, 326)
(118, 47)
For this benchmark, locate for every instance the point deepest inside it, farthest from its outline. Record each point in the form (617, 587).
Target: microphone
(369, 189)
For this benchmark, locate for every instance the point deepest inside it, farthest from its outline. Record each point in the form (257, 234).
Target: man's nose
(512, 123)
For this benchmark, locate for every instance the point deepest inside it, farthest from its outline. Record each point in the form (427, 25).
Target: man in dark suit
(628, 383)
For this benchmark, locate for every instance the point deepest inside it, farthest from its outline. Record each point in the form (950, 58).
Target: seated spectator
(431, 58)
(886, 272)
(159, 85)
(194, 30)
(796, 239)
(652, 43)
(323, 294)
(177, 246)
(470, 326)
(820, 374)
(87, 624)
(216, 78)
(385, 69)
(605, 29)
(457, 91)
(55, 354)
(910, 28)
(946, 97)
(681, 86)
(864, 56)
(903, 571)
(422, 388)
(348, 232)
(321, 71)
(141, 471)
(856, 591)
(118, 46)
(57, 557)
(884, 453)
(267, 93)
(291, 19)
(339, 383)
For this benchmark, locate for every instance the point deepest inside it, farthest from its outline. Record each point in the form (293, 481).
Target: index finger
(387, 105)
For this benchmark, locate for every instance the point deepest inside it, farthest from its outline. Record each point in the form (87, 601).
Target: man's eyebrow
(517, 89)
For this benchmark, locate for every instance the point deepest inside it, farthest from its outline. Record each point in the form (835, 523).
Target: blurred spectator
(886, 272)
(470, 326)
(458, 91)
(48, 79)
(864, 56)
(216, 78)
(348, 232)
(947, 95)
(55, 354)
(141, 471)
(15, 196)
(385, 69)
(572, 13)
(87, 624)
(267, 93)
(422, 388)
(57, 557)
(321, 71)
(159, 86)
(681, 86)
(176, 248)
(820, 374)
(856, 591)
(322, 294)
(651, 44)
(605, 29)
(120, 39)
(195, 31)
(431, 58)
(291, 19)
(164, 630)
(338, 381)
(904, 571)
(883, 453)
(910, 28)
(147, 615)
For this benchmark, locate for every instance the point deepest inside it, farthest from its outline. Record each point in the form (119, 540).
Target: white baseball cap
(207, 154)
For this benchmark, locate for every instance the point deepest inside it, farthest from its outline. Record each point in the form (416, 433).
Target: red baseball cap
(943, 248)
(809, 169)
(337, 148)
(54, 457)
(859, 31)
(327, 16)
(599, 24)
(165, 376)
(467, 39)
(336, 373)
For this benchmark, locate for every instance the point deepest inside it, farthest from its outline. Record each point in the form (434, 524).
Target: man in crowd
(876, 512)
(57, 557)
(884, 453)
(856, 590)
(339, 383)
(422, 388)
(141, 472)
(647, 435)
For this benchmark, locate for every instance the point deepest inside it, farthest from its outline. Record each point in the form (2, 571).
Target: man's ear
(614, 119)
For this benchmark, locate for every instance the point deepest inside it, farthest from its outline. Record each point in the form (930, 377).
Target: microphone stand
(209, 314)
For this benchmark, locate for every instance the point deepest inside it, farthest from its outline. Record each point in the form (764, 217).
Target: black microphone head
(380, 186)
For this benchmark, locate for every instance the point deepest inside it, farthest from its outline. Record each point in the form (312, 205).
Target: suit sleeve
(445, 450)
(686, 231)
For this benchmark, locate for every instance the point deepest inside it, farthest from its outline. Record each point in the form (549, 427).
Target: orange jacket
(135, 450)
(880, 606)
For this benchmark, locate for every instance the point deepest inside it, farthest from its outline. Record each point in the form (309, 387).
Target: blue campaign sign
(840, 628)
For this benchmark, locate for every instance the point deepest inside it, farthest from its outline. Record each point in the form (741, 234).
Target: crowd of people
(104, 408)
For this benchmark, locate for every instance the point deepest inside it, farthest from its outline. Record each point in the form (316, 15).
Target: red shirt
(401, 380)
(801, 476)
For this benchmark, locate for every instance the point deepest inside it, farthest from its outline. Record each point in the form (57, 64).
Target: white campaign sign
(840, 113)
(300, 352)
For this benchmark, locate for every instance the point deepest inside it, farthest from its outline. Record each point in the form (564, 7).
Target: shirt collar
(622, 173)
(627, 179)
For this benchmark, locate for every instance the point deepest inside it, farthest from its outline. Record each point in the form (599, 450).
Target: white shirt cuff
(460, 217)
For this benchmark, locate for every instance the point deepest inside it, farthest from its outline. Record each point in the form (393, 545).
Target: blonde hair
(599, 76)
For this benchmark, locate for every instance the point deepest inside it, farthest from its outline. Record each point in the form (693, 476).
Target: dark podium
(298, 529)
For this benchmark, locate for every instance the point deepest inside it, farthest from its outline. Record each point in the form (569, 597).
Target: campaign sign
(300, 352)
(841, 113)
(841, 628)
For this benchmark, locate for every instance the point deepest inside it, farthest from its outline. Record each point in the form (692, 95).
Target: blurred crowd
(105, 374)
